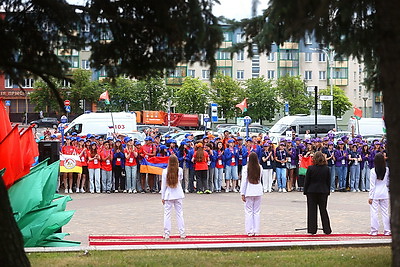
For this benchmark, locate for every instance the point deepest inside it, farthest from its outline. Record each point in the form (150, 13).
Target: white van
(301, 123)
(367, 126)
(103, 123)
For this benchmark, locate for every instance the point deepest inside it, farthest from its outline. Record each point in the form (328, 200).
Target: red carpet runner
(127, 240)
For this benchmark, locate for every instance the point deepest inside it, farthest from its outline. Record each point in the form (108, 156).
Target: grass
(343, 256)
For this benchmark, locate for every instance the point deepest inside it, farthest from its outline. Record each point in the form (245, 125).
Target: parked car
(46, 122)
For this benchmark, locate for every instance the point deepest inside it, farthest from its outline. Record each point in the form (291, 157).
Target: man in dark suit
(317, 189)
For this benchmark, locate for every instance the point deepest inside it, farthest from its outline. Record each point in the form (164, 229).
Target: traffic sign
(247, 120)
(206, 118)
(214, 112)
(64, 119)
(8, 102)
(67, 108)
(67, 102)
(326, 97)
(310, 89)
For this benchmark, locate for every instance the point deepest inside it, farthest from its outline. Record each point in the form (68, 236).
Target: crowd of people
(214, 164)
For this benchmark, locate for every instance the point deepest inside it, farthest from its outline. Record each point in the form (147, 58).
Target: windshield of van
(75, 128)
(279, 128)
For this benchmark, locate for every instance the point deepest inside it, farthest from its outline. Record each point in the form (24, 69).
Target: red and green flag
(104, 96)
(357, 113)
(242, 105)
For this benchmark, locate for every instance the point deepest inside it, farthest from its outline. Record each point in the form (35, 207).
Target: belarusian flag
(304, 162)
(104, 96)
(357, 113)
(242, 105)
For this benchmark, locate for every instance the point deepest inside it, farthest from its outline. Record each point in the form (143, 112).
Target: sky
(231, 9)
(238, 9)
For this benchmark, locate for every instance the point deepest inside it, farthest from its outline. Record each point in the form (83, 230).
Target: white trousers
(383, 205)
(169, 204)
(267, 180)
(252, 209)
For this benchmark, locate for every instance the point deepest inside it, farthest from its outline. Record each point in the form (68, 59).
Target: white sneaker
(134, 191)
(280, 190)
(186, 191)
(77, 190)
(66, 191)
(234, 190)
(116, 191)
(284, 190)
(70, 191)
(166, 236)
(183, 236)
(227, 190)
(130, 191)
(81, 190)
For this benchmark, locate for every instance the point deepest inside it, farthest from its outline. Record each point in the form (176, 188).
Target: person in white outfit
(379, 195)
(251, 191)
(172, 196)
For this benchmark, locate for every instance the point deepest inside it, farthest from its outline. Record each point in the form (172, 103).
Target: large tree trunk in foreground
(11, 243)
(388, 52)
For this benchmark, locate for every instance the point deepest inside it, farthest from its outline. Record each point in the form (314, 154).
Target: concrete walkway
(214, 214)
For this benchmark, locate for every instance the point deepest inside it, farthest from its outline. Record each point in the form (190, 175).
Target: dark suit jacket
(317, 180)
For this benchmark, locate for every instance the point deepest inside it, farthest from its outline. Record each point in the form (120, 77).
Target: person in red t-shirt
(94, 168)
(131, 154)
(148, 150)
(68, 149)
(81, 180)
(201, 161)
(106, 157)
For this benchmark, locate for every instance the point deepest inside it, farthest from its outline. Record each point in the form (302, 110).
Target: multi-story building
(302, 58)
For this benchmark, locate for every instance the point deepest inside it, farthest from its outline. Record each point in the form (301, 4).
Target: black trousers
(201, 179)
(315, 200)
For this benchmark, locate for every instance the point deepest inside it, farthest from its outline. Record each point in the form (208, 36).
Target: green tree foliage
(341, 102)
(261, 99)
(43, 97)
(136, 38)
(227, 93)
(192, 97)
(293, 91)
(82, 88)
(131, 95)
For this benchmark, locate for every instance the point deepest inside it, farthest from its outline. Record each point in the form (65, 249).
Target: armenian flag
(154, 165)
(70, 163)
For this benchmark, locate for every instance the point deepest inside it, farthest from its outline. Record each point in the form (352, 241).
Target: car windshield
(279, 128)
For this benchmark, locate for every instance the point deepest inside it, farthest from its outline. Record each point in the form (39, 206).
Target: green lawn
(360, 256)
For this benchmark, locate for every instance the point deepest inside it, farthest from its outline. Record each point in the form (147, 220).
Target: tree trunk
(11, 243)
(388, 52)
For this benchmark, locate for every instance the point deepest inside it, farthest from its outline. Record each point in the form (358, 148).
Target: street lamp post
(330, 54)
(365, 98)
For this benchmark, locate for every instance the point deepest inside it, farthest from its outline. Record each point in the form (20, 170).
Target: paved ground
(222, 213)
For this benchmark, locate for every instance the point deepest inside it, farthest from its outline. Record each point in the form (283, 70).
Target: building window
(85, 64)
(240, 38)
(28, 83)
(271, 74)
(66, 83)
(240, 74)
(322, 75)
(322, 57)
(86, 27)
(308, 57)
(205, 74)
(225, 71)
(223, 55)
(308, 75)
(192, 73)
(227, 37)
(8, 82)
(240, 56)
(308, 39)
(271, 57)
(355, 76)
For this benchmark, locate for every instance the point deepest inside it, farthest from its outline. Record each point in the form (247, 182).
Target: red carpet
(128, 240)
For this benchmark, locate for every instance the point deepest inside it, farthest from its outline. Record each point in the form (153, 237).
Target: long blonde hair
(172, 171)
